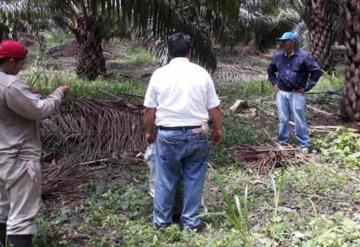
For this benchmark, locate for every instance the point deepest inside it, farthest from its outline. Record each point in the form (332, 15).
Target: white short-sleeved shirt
(182, 92)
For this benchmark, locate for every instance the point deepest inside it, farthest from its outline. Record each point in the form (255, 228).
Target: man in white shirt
(179, 100)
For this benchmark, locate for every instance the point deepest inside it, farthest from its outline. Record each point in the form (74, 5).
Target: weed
(238, 212)
(343, 148)
(335, 234)
(278, 188)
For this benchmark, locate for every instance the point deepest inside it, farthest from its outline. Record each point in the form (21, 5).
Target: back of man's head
(12, 49)
(179, 45)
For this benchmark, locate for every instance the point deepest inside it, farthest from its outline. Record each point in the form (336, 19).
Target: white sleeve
(151, 94)
(213, 100)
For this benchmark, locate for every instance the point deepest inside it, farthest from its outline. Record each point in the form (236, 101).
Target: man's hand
(217, 136)
(301, 90)
(65, 89)
(150, 137)
(276, 88)
(35, 90)
(149, 118)
(217, 133)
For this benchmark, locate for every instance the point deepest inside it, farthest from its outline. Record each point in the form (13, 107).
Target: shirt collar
(179, 59)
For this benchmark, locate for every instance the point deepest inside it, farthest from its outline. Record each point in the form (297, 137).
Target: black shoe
(119, 241)
(162, 226)
(197, 229)
(2, 234)
(20, 240)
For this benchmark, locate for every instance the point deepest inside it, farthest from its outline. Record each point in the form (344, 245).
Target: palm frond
(12, 14)
(160, 17)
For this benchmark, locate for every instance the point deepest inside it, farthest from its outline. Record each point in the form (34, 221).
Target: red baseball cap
(12, 49)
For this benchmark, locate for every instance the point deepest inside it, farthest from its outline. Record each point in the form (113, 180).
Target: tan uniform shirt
(19, 110)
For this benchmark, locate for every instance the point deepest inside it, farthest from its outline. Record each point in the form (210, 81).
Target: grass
(48, 81)
(309, 213)
(140, 57)
(327, 83)
(56, 36)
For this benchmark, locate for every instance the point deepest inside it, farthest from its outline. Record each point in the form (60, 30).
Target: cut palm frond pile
(94, 129)
(265, 157)
(67, 176)
(84, 133)
(64, 178)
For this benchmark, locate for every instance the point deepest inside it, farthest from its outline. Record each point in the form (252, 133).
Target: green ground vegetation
(314, 204)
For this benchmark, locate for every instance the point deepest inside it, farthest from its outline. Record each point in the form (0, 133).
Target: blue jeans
(292, 104)
(180, 155)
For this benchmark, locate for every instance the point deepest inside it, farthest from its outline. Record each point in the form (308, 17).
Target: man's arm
(149, 120)
(213, 106)
(217, 134)
(314, 72)
(21, 99)
(150, 103)
(272, 70)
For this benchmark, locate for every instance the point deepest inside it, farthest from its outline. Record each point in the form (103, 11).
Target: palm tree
(319, 24)
(319, 17)
(232, 22)
(268, 21)
(92, 21)
(351, 12)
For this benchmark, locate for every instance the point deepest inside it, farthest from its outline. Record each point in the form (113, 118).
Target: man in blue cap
(293, 72)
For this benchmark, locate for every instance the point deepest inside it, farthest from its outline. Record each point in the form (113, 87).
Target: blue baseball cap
(288, 36)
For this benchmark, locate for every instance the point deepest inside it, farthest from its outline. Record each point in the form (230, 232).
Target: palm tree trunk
(352, 42)
(89, 35)
(320, 32)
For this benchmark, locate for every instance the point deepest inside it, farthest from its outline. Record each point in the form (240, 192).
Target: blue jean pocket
(198, 137)
(171, 137)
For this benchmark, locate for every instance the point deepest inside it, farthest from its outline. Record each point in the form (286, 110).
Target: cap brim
(286, 40)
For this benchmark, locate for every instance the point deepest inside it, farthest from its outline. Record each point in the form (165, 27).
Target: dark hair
(179, 45)
(6, 59)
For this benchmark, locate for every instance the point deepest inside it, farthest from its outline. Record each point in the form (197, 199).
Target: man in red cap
(20, 146)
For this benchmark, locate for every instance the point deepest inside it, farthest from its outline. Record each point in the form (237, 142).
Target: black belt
(291, 90)
(183, 128)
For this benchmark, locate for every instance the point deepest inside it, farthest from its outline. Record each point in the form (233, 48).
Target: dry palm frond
(64, 178)
(67, 176)
(266, 157)
(83, 133)
(94, 129)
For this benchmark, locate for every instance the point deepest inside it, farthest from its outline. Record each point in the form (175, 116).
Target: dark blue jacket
(295, 72)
